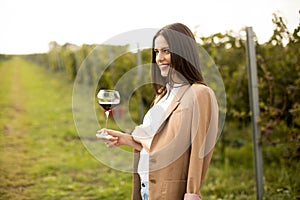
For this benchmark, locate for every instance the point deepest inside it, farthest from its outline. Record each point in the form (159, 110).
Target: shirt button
(153, 181)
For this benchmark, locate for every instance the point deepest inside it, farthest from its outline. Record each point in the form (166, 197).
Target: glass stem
(106, 114)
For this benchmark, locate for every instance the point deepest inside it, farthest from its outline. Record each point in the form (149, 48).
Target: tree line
(278, 65)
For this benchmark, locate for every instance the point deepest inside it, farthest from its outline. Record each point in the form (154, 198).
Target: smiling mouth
(163, 66)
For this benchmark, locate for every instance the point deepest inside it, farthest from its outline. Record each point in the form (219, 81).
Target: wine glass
(107, 99)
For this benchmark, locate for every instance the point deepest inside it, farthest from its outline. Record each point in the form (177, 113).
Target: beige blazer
(181, 149)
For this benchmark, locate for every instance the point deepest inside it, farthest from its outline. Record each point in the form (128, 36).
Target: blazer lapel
(174, 104)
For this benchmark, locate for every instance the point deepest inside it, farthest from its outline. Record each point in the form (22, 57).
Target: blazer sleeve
(203, 137)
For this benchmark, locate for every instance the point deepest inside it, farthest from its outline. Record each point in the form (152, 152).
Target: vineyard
(42, 156)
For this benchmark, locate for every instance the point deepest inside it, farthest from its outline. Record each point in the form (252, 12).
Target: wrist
(133, 143)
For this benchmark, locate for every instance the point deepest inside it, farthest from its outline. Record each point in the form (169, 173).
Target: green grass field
(42, 156)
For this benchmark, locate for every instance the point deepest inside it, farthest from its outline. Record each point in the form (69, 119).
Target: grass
(42, 156)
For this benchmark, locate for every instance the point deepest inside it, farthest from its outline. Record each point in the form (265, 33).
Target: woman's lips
(163, 67)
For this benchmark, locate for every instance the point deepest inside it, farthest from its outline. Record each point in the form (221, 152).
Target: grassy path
(41, 156)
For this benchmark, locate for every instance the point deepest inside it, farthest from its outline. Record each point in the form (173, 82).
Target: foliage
(228, 52)
(278, 81)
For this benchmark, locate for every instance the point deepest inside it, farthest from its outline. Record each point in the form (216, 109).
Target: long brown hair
(185, 58)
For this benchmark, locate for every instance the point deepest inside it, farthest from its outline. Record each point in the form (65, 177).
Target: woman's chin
(164, 74)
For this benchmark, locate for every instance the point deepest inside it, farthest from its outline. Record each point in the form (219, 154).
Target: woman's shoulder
(201, 88)
(202, 95)
(201, 91)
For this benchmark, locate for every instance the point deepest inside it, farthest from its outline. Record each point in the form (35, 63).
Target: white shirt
(151, 123)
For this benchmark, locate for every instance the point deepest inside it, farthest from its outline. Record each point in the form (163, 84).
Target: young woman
(174, 144)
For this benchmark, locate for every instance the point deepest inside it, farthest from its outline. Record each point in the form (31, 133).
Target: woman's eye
(167, 50)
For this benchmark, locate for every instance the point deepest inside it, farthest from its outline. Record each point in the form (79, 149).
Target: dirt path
(14, 152)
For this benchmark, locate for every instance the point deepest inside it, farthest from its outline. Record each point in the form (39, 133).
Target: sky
(27, 26)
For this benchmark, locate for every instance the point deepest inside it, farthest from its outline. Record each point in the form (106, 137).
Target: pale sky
(27, 26)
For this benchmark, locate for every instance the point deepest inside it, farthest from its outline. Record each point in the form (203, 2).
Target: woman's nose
(159, 56)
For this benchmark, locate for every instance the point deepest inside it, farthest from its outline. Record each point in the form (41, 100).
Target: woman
(174, 145)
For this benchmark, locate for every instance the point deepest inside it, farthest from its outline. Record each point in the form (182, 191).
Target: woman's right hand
(119, 138)
(110, 137)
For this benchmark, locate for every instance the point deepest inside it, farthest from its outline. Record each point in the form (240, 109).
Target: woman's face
(163, 55)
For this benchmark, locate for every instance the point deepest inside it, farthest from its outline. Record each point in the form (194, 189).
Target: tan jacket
(181, 150)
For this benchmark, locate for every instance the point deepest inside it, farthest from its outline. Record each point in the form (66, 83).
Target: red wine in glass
(108, 99)
(107, 106)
